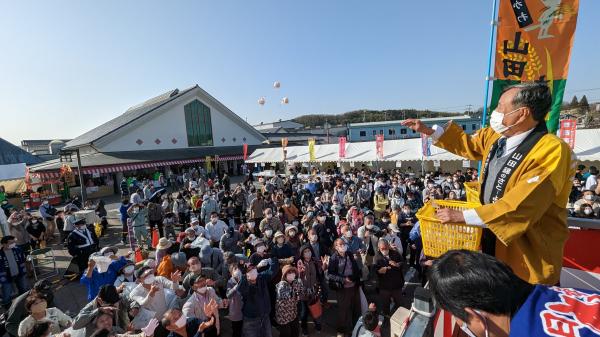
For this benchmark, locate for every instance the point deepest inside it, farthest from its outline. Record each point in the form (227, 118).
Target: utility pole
(469, 109)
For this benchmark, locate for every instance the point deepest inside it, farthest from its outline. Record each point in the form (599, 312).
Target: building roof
(436, 119)
(12, 154)
(129, 116)
(137, 111)
(26, 142)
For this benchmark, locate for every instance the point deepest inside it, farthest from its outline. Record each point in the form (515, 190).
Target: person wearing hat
(231, 241)
(260, 254)
(281, 249)
(392, 233)
(293, 238)
(201, 296)
(81, 243)
(288, 293)
(195, 269)
(93, 279)
(17, 311)
(108, 301)
(125, 274)
(186, 243)
(150, 293)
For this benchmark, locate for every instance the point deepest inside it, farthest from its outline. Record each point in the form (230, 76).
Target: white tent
(587, 148)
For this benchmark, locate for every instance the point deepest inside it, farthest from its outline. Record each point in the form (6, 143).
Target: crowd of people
(262, 254)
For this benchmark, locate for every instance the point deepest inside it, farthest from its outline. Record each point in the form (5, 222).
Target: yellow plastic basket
(472, 189)
(439, 238)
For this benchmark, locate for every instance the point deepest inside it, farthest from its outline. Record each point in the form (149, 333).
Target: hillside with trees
(360, 116)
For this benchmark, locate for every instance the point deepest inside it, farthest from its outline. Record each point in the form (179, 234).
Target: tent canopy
(587, 148)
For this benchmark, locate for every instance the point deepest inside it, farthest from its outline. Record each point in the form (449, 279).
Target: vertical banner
(311, 149)
(245, 148)
(342, 145)
(208, 164)
(379, 146)
(284, 144)
(425, 145)
(533, 43)
(567, 131)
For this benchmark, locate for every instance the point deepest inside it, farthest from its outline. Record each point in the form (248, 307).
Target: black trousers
(385, 298)
(236, 326)
(290, 329)
(348, 309)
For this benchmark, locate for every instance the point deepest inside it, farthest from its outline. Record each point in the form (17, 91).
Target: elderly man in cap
(150, 292)
(196, 268)
(211, 257)
(270, 222)
(17, 311)
(81, 243)
(108, 302)
(202, 295)
(93, 279)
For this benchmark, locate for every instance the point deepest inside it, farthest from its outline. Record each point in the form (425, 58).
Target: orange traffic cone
(155, 237)
(138, 255)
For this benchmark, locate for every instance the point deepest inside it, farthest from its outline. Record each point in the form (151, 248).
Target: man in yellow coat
(524, 184)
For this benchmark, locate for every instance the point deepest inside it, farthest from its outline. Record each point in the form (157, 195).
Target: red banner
(342, 143)
(567, 131)
(379, 146)
(245, 151)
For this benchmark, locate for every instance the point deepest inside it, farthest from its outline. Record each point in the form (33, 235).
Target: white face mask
(260, 249)
(269, 216)
(313, 238)
(307, 254)
(587, 211)
(496, 121)
(202, 290)
(290, 277)
(194, 268)
(129, 270)
(252, 275)
(369, 226)
(269, 232)
(348, 234)
(149, 279)
(180, 323)
(588, 197)
(12, 245)
(280, 241)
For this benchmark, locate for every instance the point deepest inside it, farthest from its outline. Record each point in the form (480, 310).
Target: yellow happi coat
(530, 220)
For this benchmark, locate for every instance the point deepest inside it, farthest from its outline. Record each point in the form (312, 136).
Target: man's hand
(120, 288)
(418, 126)
(382, 270)
(91, 263)
(153, 289)
(176, 276)
(447, 215)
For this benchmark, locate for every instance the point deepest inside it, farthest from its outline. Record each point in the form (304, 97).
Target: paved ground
(72, 296)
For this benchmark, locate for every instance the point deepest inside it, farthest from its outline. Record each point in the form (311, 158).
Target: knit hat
(288, 269)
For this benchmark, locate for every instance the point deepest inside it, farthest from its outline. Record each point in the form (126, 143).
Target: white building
(176, 128)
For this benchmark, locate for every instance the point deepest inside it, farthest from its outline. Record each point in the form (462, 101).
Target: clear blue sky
(67, 66)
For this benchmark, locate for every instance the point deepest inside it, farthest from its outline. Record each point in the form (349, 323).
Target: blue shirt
(123, 211)
(98, 279)
(554, 311)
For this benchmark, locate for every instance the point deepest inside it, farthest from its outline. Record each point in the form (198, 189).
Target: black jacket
(334, 272)
(392, 278)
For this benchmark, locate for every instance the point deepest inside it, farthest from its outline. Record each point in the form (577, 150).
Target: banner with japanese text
(311, 149)
(342, 145)
(567, 131)
(379, 146)
(533, 43)
(245, 148)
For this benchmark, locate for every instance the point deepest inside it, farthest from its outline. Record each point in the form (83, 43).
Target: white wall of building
(168, 123)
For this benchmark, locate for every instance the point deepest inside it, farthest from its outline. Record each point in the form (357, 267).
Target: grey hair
(383, 241)
(533, 95)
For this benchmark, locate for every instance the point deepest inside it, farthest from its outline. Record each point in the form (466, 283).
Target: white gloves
(149, 329)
